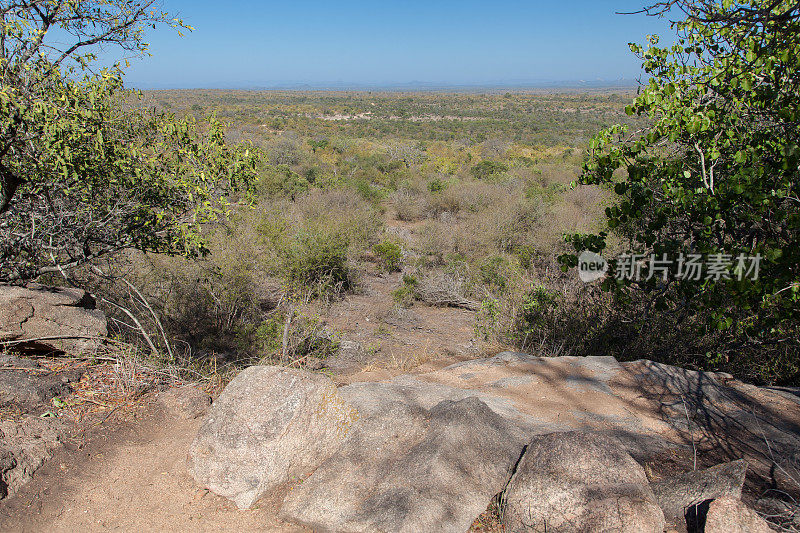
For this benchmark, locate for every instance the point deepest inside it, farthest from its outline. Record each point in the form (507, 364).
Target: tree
(486, 169)
(714, 172)
(84, 172)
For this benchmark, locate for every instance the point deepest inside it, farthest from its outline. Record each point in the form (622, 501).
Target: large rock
(548, 394)
(60, 319)
(269, 425)
(580, 482)
(405, 468)
(730, 515)
(679, 495)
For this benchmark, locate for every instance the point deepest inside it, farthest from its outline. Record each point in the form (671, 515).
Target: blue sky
(251, 43)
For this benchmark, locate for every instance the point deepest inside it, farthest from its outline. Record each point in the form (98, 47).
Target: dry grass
(490, 521)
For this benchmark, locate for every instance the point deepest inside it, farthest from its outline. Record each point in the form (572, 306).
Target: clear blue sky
(249, 43)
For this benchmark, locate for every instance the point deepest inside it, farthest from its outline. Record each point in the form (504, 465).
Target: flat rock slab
(641, 403)
(542, 395)
(45, 314)
(405, 468)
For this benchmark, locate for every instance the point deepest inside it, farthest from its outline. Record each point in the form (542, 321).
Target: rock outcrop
(575, 482)
(24, 384)
(25, 445)
(56, 319)
(429, 451)
(269, 425)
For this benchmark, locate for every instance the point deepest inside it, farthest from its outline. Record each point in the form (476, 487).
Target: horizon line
(619, 83)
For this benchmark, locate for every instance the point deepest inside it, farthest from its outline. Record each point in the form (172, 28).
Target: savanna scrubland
(467, 195)
(387, 241)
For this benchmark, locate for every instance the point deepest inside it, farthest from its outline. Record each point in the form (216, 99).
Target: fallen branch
(446, 291)
(55, 338)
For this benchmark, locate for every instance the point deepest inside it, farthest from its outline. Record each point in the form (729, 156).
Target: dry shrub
(501, 228)
(475, 219)
(294, 339)
(410, 206)
(576, 211)
(468, 195)
(212, 308)
(552, 172)
(339, 211)
(284, 149)
(446, 288)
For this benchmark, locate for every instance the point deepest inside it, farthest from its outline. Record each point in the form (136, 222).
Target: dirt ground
(394, 339)
(129, 474)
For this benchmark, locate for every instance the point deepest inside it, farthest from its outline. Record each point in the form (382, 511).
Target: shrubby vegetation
(83, 174)
(714, 173)
(320, 221)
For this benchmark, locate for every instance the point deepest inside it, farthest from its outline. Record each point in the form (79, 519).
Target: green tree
(714, 172)
(487, 169)
(84, 172)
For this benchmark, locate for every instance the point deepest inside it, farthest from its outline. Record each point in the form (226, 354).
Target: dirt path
(129, 476)
(394, 339)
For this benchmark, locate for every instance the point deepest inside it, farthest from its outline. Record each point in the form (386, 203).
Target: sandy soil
(129, 475)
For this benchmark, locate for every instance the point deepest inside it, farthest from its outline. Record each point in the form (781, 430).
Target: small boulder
(270, 424)
(24, 384)
(678, 496)
(350, 356)
(25, 445)
(730, 515)
(579, 482)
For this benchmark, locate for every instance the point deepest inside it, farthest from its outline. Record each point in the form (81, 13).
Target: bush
(306, 340)
(437, 185)
(494, 272)
(409, 206)
(318, 262)
(526, 255)
(537, 305)
(389, 254)
(406, 294)
(282, 180)
(487, 169)
(488, 319)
